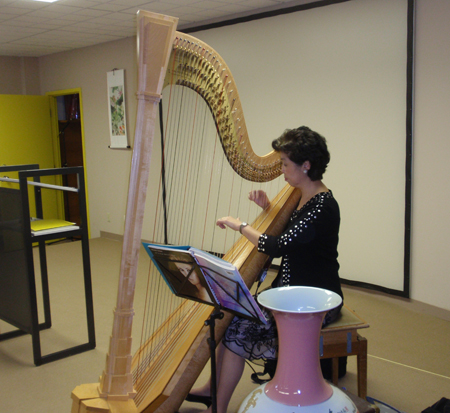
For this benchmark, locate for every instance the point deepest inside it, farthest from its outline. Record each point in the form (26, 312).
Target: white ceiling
(36, 28)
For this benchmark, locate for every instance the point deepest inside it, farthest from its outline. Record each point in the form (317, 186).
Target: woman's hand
(233, 223)
(259, 197)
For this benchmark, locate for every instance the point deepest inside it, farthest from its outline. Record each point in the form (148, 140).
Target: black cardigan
(308, 246)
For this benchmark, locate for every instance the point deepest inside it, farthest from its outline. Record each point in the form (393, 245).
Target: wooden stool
(340, 339)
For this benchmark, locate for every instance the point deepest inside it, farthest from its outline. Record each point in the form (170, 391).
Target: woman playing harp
(308, 246)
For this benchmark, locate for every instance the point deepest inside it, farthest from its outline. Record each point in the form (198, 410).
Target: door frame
(56, 149)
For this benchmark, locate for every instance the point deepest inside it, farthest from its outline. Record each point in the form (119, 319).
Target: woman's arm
(318, 220)
(260, 198)
(235, 224)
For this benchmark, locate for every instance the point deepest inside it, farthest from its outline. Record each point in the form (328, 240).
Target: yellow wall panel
(25, 138)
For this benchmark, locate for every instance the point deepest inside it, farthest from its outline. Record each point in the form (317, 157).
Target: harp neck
(196, 65)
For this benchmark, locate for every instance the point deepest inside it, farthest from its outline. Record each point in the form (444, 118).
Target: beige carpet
(408, 363)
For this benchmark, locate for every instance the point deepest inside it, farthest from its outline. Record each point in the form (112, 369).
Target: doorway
(68, 146)
(70, 149)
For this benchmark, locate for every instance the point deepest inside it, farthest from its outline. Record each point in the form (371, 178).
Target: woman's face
(293, 173)
(185, 268)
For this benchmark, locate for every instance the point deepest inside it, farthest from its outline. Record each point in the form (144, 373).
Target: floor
(408, 361)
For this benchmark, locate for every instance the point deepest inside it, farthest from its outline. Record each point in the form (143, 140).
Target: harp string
(184, 160)
(203, 133)
(163, 173)
(162, 185)
(229, 209)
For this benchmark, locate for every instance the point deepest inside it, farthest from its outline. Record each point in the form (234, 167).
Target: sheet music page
(181, 272)
(228, 286)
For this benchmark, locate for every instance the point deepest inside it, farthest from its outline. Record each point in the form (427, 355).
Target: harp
(153, 381)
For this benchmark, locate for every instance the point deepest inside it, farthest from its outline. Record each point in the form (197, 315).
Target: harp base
(86, 399)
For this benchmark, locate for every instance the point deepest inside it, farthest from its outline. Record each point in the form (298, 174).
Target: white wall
(19, 75)
(430, 276)
(108, 170)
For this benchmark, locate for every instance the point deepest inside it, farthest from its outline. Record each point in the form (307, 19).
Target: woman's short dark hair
(303, 144)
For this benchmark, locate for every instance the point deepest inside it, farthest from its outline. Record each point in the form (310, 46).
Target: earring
(305, 171)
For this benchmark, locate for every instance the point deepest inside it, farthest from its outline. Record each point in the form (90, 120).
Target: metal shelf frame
(22, 311)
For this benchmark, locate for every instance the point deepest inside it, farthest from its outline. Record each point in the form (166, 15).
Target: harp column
(155, 38)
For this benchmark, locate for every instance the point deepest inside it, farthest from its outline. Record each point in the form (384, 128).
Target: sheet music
(183, 267)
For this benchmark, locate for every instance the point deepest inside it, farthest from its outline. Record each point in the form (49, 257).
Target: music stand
(183, 267)
(216, 314)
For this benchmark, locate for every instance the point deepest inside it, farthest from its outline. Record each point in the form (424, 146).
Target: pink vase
(298, 384)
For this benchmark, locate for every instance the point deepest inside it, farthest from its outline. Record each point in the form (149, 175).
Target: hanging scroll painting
(116, 109)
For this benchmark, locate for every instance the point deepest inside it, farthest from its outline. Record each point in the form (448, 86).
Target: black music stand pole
(217, 314)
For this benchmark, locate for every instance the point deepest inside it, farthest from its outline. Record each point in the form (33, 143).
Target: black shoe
(199, 399)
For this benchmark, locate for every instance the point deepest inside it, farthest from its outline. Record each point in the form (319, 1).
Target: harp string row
(158, 362)
(162, 330)
(176, 149)
(200, 90)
